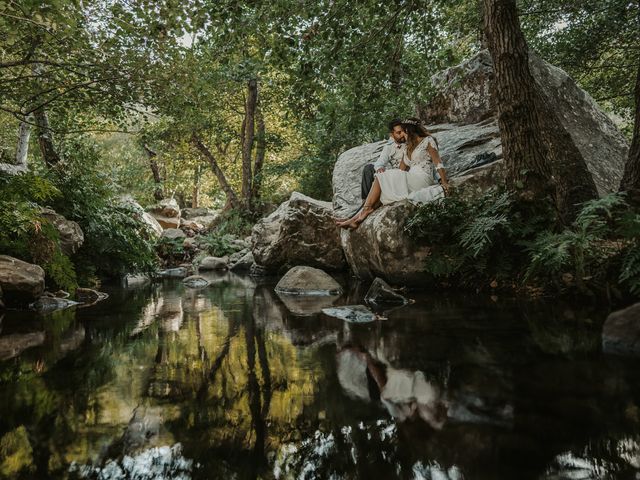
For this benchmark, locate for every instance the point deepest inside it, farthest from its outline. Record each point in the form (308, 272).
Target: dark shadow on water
(244, 385)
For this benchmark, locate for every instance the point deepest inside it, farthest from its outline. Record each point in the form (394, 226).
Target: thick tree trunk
(158, 193)
(631, 178)
(232, 198)
(261, 148)
(514, 89)
(540, 154)
(248, 139)
(45, 138)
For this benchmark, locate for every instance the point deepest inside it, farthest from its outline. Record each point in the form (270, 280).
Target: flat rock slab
(179, 272)
(621, 332)
(302, 280)
(351, 313)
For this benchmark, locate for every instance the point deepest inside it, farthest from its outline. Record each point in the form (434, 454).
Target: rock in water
(380, 293)
(351, 313)
(214, 263)
(89, 296)
(303, 280)
(300, 232)
(49, 304)
(21, 282)
(621, 332)
(244, 263)
(179, 272)
(196, 281)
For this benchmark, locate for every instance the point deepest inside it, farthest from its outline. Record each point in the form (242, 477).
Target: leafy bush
(495, 237)
(116, 241)
(218, 245)
(26, 234)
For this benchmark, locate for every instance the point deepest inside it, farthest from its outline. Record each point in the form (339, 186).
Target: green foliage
(171, 248)
(26, 234)
(468, 236)
(218, 245)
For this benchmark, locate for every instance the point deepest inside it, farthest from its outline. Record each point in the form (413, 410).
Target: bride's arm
(437, 163)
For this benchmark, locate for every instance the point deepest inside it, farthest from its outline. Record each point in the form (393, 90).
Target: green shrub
(218, 245)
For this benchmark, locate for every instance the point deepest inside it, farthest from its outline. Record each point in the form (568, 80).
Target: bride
(416, 172)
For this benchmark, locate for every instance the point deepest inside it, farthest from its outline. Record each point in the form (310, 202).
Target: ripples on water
(230, 382)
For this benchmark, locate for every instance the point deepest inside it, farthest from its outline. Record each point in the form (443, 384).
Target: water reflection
(229, 381)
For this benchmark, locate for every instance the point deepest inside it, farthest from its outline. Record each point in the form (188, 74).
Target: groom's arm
(384, 158)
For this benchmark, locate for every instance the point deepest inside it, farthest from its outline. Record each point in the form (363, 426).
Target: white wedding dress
(418, 184)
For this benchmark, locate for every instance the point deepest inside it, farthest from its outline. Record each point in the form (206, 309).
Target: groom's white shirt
(391, 155)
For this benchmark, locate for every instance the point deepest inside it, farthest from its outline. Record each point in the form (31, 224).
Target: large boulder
(166, 212)
(71, 236)
(464, 98)
(300, 232)
(21, 282)
(304, 280)
(621, 332)
(380, 248)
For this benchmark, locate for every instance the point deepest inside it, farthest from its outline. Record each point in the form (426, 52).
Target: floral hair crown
(409, 121)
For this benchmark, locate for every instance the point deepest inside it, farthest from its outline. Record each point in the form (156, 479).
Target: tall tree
(514, 89)
(540, 154)
(631, 178)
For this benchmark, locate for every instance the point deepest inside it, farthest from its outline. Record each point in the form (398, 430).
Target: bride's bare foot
(355, 222)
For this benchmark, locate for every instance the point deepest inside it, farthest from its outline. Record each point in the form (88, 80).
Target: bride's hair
(415, 130)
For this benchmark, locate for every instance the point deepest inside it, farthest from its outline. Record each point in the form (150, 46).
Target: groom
(390, 156)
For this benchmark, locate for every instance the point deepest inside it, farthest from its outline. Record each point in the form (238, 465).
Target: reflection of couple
(406, 394)
(415, 151)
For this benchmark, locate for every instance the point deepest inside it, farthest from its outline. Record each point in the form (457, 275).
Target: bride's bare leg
(370, 204)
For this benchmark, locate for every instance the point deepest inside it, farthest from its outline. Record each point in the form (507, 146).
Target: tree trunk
(45, 138)
(195, 197)
(232, 198)
(261, 148)
(631, 178)
(158, 193)
(514, 89)
(24, 134)
(540, 154)
(248, 138)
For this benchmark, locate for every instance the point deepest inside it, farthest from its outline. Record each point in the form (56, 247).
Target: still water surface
(230, 382)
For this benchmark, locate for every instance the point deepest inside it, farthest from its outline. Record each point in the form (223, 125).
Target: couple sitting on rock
(412, 154)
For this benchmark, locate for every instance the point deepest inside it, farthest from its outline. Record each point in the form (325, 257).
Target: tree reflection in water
(226, 382)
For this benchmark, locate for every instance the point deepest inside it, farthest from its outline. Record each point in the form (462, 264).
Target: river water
(163, 381)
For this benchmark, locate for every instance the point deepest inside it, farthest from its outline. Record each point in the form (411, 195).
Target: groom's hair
(394, 123)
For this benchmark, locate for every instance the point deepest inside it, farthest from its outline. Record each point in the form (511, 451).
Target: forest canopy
(239, 103)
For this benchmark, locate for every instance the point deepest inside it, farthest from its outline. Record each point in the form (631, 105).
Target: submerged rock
(88, 296)
(380, 293)
(300, 232)
(49, 304)
(196, 281)
(303, 280)
(351, 313)
(306, 305)
(179, 272)
(21, 282)
(621, 332)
